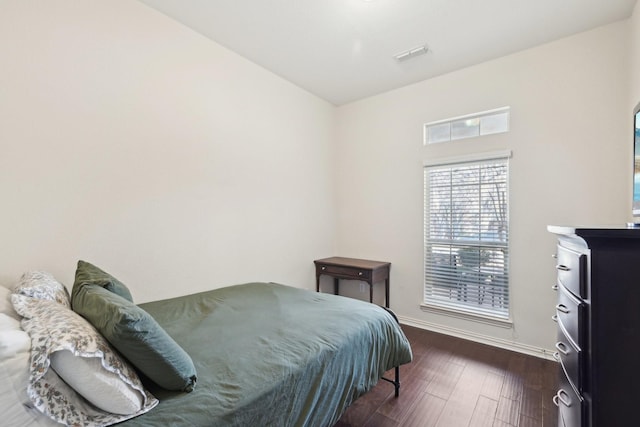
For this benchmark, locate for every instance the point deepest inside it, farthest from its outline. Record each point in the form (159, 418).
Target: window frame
(451, 308)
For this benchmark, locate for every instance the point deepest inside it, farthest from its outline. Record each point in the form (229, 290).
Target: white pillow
(14, 361)
(13, 342)
(16, 408)
(54, 328)
(14, 375)
(5, 303)
(102, 388)
(8, 323)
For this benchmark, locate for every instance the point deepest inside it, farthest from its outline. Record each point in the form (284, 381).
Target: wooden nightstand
(354, 269)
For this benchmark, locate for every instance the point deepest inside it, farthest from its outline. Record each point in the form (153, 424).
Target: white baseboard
(483, 339)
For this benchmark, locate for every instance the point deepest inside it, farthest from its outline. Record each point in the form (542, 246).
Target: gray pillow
(136, 335)
(89, 274)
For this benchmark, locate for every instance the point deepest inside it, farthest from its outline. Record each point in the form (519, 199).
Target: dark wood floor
(457, 383)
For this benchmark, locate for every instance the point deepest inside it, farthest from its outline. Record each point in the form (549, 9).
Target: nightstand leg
(336, 286)
(386, 292)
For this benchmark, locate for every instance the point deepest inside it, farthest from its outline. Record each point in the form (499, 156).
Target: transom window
(469, 126)
(466, 236)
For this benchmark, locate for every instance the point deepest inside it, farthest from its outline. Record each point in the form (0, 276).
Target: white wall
(132, 142)
(571, 158)
(634, 58)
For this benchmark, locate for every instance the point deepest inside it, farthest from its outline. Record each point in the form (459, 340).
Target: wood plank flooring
(458, 383)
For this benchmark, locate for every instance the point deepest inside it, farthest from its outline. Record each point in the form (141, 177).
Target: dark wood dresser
(598, 326)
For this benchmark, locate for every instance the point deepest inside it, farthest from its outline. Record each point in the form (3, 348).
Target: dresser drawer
(345, 272)
(572, 271)
(571, 360)
(572, 315)
(571, 407)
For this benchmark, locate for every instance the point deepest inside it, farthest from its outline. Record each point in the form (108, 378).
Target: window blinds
(467, 237)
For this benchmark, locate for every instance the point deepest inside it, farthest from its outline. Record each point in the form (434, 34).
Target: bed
(267, 354)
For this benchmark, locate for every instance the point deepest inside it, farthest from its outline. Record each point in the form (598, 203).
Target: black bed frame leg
(396, 381)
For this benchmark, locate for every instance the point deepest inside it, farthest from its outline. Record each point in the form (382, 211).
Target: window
(472, 125)
(466, 236)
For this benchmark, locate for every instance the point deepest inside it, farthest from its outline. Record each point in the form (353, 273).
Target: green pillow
(89, 274)
(136, 335)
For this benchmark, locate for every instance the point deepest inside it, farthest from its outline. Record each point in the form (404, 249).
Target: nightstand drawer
(346, 272)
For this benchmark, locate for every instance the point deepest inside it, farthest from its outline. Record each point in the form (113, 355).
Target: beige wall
(634, 57)
(571, 157)
(132, 142)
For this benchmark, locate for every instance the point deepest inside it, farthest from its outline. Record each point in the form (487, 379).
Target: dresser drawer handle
(562, 309)
(562, 348)
(360, 273)
(559, 397)
(555, 318)
(561, 267)
(324, 268)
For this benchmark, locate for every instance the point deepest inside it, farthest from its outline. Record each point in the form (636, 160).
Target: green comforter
(273, 355)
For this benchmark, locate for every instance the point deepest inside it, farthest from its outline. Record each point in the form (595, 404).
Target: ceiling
(342, 50)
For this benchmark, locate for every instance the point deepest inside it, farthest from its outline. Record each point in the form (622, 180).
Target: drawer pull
(554, 287)
(562, 309)
(360, 273)
(559, 397)
(556, 356)
(324, 268)
(562, 267)
(555, 318)
(562, 348)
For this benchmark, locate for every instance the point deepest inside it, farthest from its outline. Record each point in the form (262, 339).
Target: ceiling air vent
(411, 53)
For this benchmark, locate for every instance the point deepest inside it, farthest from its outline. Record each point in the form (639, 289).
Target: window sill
(479, 318)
